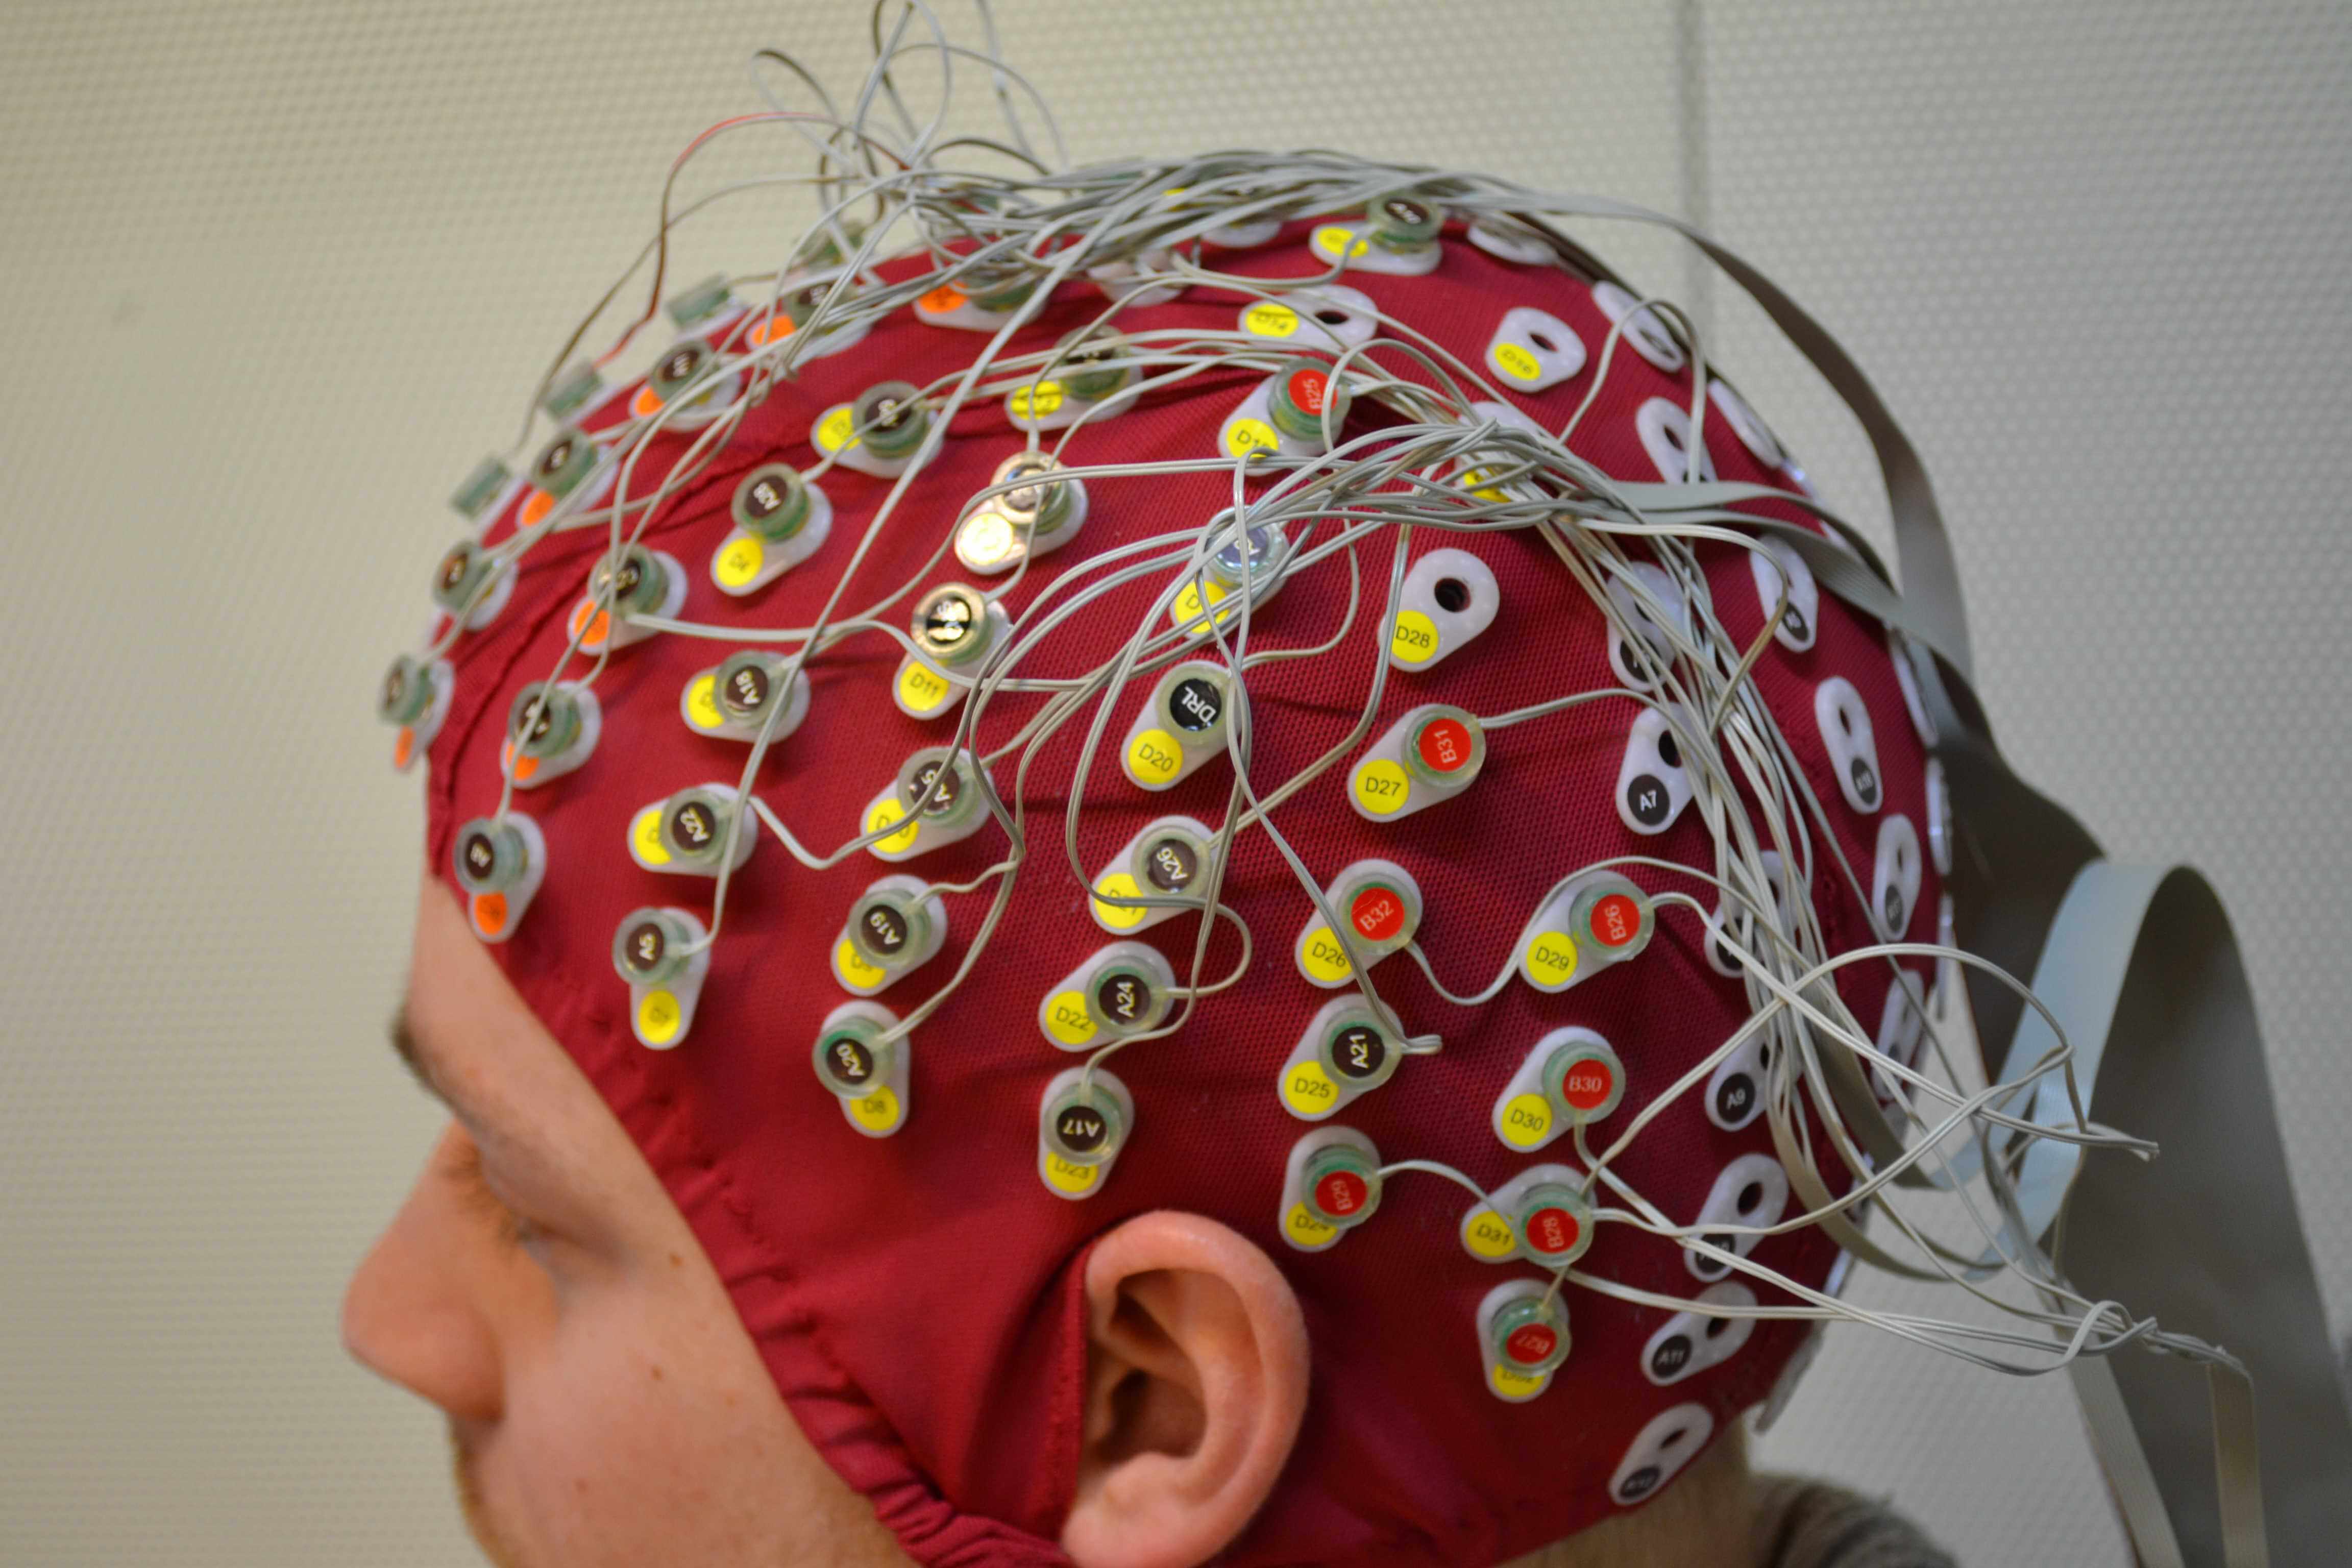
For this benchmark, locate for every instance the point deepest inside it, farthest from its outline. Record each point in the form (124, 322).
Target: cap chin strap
(2141, 969)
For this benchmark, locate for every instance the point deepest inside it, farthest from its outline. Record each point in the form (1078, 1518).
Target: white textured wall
(275, 274)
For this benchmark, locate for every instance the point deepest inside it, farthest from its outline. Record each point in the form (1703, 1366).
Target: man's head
(605, 1405)
(1535, 1263)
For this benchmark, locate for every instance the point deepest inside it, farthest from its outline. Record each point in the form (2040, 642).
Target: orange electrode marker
(770, 331)
(404, 746)
(644, 405)
(942, 300)
(595, 622)
(490, 912)
(536, 505)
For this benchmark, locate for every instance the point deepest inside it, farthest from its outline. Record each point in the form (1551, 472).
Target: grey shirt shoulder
(1810, 1524)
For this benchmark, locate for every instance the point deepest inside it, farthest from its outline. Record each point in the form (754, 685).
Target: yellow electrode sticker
(1326, 960)
(740, 560)
(1489, 1234)
(1550, 959)
(1474, 478)
(658, 1018)
(837, 429)
(702, 703)
(923, 690)
(1154, 756)
(877, 1111)
(1415, 638)
(1305, 1229)
(1515, 1385)
(1118, 917)
(1336, 240)
(1380, 787)
(1188, 605)
(1067, 1020)
(1267, 320)
(645, 836)
(1026, 402)
(882, 814)
(1525, 1121)
(1307, 1089)
(1068, 1177)
(1515, 362)
(1244, 436)
(854, 971)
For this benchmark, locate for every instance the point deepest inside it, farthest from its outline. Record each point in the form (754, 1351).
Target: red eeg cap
(916, 1297)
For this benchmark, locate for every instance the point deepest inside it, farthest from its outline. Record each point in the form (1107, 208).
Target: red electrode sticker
(1552, 1230)
(1530, 1342)
(1616, 920)
(1377, 914)
(1341, 1192)
(1444, 744)
(1586, 1085)
(1307, 388)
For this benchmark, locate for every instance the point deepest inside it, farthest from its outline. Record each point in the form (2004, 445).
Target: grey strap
(2144, 973)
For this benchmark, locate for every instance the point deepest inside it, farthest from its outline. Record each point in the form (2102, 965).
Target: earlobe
(1196, 1383)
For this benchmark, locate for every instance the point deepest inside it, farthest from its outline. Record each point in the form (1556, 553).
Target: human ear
(1196, 1380)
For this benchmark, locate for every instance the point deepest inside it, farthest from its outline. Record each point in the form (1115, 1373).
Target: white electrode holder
(883, 1110)
(1431, 755)
(1349, 243)
(1773, 566)
(1752, 1190)
(494, 915)
(1448, 598)
(1571, 1075)
(1645, 332)
(1166, 859)
(602, 630)
(661, 1014)
(1328, 317)
(650, 850)
(1504, 1381)
(1654, 782)
(531, 773)
(1300, 1226)
(1381, 905)
(925, 689)
(1344, 1052)
(859, 974)
(1595, 919)
(921, 832)
(1119, 989)
(744, 562)
(698, 705)
(1181, 728)
(1064, 1177)
(1050, 405)
(1534, 351)
(1690, 1342)
(416, 738)
(1490, 1230)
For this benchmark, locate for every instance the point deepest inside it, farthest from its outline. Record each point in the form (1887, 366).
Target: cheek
(629, 1438)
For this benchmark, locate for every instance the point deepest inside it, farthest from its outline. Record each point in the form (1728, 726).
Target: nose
(415, 1312)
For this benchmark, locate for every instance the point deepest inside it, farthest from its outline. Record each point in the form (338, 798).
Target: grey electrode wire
(1009, 220)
